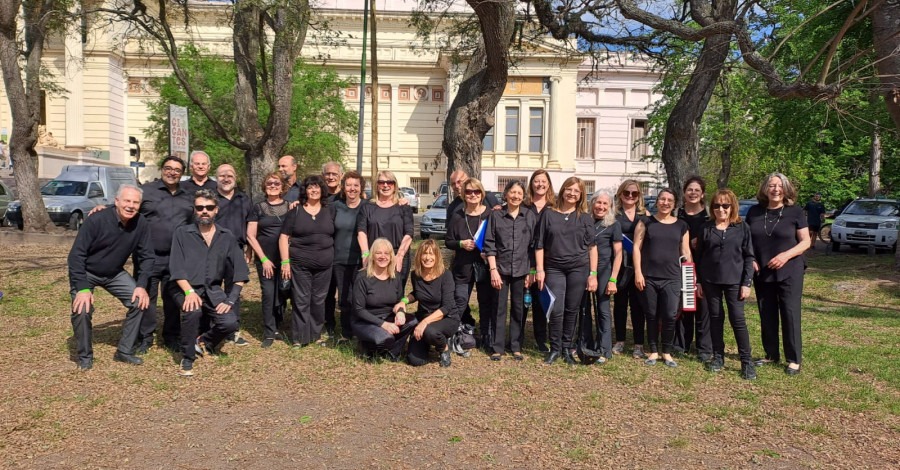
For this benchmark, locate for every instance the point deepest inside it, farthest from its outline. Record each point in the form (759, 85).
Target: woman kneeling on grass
(379, 319)
(438, 318)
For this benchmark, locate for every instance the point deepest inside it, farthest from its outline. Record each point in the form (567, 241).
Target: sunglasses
(470, 192)
(721, 206)
(274, 184)
(631, 193)
(207, 208)
(386, 182)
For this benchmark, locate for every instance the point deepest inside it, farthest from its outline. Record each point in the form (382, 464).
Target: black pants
(568, 285)
(120, 286)
(713, 297)
(171, 330)
(331, 302)
(373, 339)
(689, 323)
(514, 287)
(308, 290)
(538, 317)
(273, 301)
(780, 300)
(343, 276)
(221, 325)
(602, 321)
(487, 304)
(627, 294)
(436, 334)
(661, 299)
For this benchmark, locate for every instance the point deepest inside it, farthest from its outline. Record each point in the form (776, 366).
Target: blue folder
(479, 235)
(547, 300)
(627, 244)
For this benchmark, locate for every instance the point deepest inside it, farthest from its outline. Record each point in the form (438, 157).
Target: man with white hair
(199, 179)
(332, 172)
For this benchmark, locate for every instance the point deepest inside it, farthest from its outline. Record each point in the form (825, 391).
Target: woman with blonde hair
(432, 288)
(379, 316)
(629, 211)
(566, 258)
(386, 218)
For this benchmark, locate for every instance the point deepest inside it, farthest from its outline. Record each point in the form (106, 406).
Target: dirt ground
(321, 407)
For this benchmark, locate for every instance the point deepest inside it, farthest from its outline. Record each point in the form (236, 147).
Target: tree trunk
(376, 91)
(885, 27)
(470, 116)
(25, 103)
(875, 163)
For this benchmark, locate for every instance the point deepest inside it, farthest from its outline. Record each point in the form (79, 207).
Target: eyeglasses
(172, 169)
(273, 184)
(473, 192)
(331, 173)
(207, 208)
(386, 182)
(631, 193)
(721, 206)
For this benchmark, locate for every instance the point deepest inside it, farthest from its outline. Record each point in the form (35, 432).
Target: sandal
(495, 357)
(518, 356)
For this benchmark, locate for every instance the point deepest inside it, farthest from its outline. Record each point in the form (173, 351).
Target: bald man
(287, 166)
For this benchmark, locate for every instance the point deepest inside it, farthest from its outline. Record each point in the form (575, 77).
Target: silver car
(434, 221)
(867, 222)
(6, 197)
(411, 196)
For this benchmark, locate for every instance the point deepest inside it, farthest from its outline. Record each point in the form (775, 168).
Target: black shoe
(187, 368)
(791, 372)
(267, 343)
(495, 357)
(143, 348)
(716, 364)
(86, 364)
(542, 347)
(445, 358)
(394, 357)
(568, 358)
(552, 356)
(748, 371)
(704, 358)
(127, 358)
(764, 361)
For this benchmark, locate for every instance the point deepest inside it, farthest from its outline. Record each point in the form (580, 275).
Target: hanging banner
(178, 132)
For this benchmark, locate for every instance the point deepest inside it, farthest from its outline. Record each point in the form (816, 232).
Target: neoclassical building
(555, 113)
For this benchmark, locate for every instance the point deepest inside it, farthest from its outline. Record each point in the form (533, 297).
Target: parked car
(434, 221)
(443, 189)
(77, 190)
(744, 206)
(6, 196)
(867, 222)
(650, 204)
(412, 196)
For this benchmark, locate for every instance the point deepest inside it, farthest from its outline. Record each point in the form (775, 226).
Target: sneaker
(716, 364)
(127, 358)
(445, 358)
(618, 348)
(238, 340)
(187, 368)
(267, 343)
(748, 371)
(86, 364)
(601, 361)
(638, 352)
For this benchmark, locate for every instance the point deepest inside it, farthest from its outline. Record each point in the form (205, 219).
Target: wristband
(365, 254)
(264, 259)
(285, 262)
(405, 300)
(613, 280)
(82, 291)
(188, 292)
(532, 272)
(593, 273)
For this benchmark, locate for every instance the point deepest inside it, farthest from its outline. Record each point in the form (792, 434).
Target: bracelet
(264, 259)
(285, 262)
(493, 269)
(82, 291)
(613, 280)
(365, 254)
(405, 300)
(188, 292)
(593, 273)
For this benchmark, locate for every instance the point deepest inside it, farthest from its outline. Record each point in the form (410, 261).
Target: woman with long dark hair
(694, 213)
(725, 262)
(507, 245)
(347, 254)
(306, 245)
(565, 258)
(538, 197)
(660, 241)
(433, 288)
(386, 218)
(629, 211)
(780, 237)
(263, 231)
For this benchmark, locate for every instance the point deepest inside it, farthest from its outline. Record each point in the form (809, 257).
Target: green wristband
(405, 300)
(285, 262)
(613, 280)
(264, 259)
(188, 292)
(365, 254)
(593, 273)
(532, 272)
(82, 291)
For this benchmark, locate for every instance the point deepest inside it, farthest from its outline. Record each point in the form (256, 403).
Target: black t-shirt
(565, 238)
(311, 240)
(661, 249)
(269, 218)
(433, 295)
(695, 222)
(604, 237)
(392, 222)
(814, 212)
(374, 299)
(773, 232)
(346, 243)
(464, 227)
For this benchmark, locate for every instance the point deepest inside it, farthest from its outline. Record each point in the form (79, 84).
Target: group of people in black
(319, 243)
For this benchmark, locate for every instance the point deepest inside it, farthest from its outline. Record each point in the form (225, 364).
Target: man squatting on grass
(97, 258)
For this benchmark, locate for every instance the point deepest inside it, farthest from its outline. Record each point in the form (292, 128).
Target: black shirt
(773, 232)
(510, 239)
(293, 193)
(346, 242)
(565, 238)
(695, 222)
(661, 249)
(165, 212)
(814, 212)
(604, 237)
(725, 256)
(311, 239)
(190, 186)
(104, 244)
(234, 213)
(374, 299)
(393, 223)
(464, 227)
(434, 295)
(207, 267)
(489, 200)
(269, 219)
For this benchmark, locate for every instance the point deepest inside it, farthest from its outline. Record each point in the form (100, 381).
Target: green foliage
(318, 115)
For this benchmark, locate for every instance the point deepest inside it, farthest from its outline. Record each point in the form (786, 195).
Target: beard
(205, 221)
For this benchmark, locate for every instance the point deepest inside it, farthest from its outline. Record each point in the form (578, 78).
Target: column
(74, 83)
(552, 118)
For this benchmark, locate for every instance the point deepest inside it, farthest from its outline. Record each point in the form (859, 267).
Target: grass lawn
(322, 407)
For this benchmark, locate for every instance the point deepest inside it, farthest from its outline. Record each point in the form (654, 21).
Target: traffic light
(136, 150)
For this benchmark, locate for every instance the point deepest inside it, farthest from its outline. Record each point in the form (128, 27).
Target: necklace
(767, 221)
(568, 214)
(597, 230)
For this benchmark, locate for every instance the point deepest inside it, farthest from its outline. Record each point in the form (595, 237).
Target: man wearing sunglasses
(209, 268)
